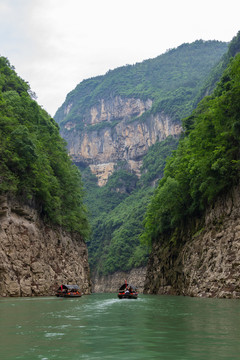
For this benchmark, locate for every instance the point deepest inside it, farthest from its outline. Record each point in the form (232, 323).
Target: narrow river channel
(100, 326)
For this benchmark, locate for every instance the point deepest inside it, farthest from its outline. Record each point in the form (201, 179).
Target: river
(100, 326)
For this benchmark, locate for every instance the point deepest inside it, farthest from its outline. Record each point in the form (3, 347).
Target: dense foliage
(171, 80)
(34, 164)
(217, 71)
(118, 210)
(207, 161)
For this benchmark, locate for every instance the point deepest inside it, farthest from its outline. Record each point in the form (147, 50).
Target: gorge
(158, 174)
(120, 128)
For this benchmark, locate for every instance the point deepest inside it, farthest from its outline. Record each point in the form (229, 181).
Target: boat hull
(68, 291)
(69, 295)
(127, 296)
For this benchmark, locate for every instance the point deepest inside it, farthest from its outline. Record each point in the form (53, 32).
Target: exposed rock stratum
(114, 131)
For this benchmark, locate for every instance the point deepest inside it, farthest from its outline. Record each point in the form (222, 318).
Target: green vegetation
(155, 159)
(218, 69)
(118, 210)
(171, 80)
(34, 164)
(206, 162)
(115, 244)
(174, 82)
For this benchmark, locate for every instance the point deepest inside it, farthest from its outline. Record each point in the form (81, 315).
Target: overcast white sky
(55, 44)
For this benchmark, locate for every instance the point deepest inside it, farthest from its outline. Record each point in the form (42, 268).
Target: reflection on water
(100, 326)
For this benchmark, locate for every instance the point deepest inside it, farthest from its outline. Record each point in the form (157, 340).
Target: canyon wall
(113, 131)
(111, 283)
(35, 259)
(207, 264)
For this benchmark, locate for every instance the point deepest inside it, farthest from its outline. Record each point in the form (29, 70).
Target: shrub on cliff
(34, 163)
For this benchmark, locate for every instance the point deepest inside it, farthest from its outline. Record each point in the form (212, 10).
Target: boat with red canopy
(127, 291)
(68, 291)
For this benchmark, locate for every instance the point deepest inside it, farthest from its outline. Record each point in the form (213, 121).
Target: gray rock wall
(111, 283)
(100, 144)
(36, 258)
(208, 261)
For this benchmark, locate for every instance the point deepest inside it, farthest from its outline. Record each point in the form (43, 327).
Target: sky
(56, 44)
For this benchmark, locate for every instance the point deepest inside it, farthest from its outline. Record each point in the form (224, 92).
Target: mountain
(193, 218)
(120, 128)
(43, 221)
(218, 69)
(118, 116)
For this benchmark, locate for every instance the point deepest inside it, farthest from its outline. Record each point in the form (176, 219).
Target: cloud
(55, 44)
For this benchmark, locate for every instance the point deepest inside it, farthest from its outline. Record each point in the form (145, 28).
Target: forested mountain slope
(193, 218)
(218, 69)
(35, 166)
(120, 128)
(206, 162)
(169, 80)
(43, 221)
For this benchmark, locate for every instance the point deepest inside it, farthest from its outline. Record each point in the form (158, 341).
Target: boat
(127, 291)
(71, 291)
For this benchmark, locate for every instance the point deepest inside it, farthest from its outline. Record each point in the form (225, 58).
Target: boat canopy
(69, 287)
(127, 285)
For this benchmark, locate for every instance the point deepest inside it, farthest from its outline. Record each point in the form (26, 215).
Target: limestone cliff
(113, 131)
(208, 261)
(118, 116)
(36, 258)
(112, 282)
(111, 123)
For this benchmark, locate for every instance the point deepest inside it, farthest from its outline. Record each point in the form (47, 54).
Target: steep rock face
(111, 283)
(112, 132)
(208, 264)
(113, 108)
(34, 258)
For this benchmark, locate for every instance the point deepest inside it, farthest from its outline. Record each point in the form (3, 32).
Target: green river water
(100, 326)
